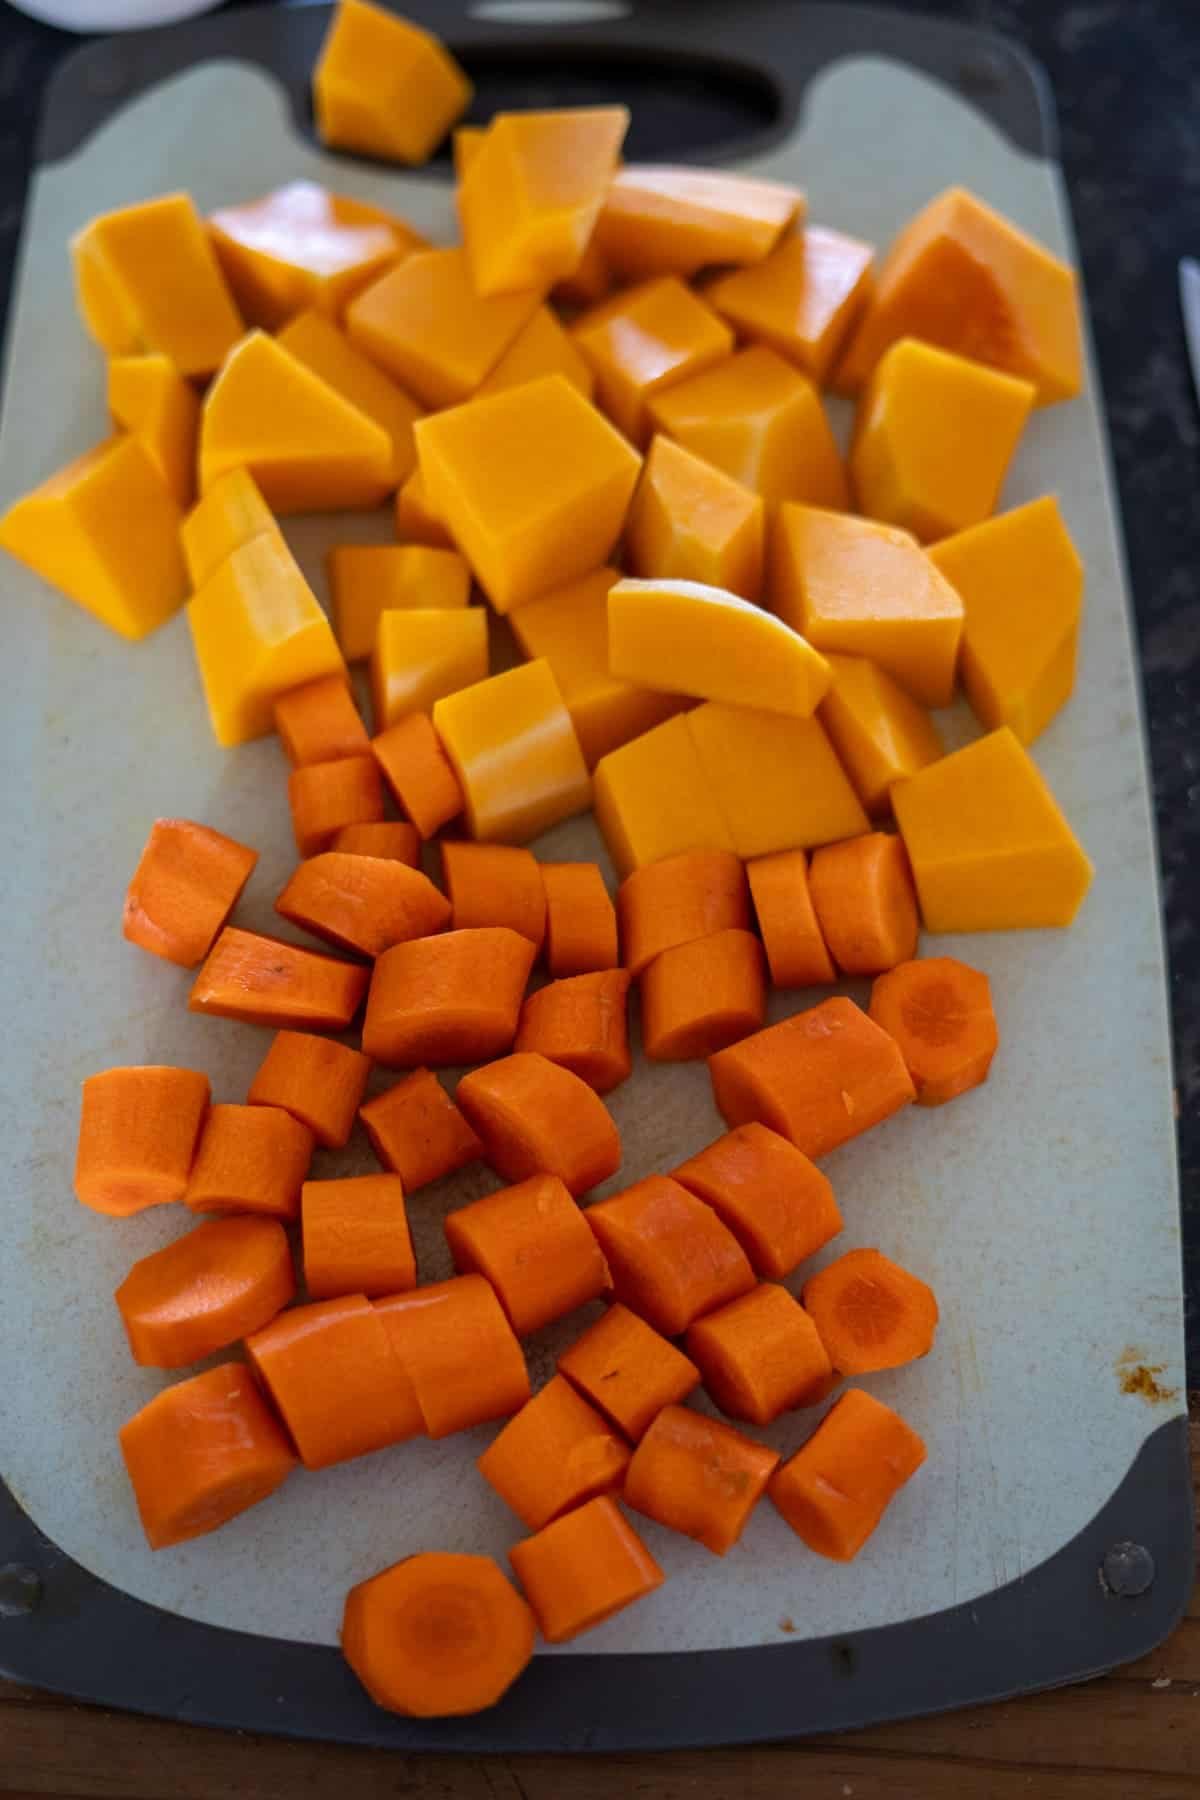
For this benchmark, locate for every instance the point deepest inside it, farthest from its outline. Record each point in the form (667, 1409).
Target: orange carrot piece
(835, 1489)
(331, 1370)
(206, 1290)
(818, 1078)
(137, 1137)
(319, 1082)
(669, 1255)
(495, 884)
(760, 1356)
(416, 1130)
(459, 1351)
(201, 1452)
(628, 1370)
(319, 722)
(939, 1011)
(356, 1237)
(582, 1568)
(437, 1635)
(778, 1204)
(185, 886)
(326, 796)
(581, 1024)
(250, 1159)
(699, 997)
(865, 902)
(535, 1117)
(363, 904)
(419, 773)
(871, 1313)
(797, 954)
(450, 999)
(263, 981)
(533, 1244)
(695, 1475)
(679, 899)
(555, 1454)
(581, 920)
(394, 839)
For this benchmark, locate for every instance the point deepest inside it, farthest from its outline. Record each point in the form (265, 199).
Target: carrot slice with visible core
(939, 1011)
(695, 1475)
(363, 904)
(581, 920)
(582, 1568)
(455, 998)
(206, 1290)
(137, 1137)
(250, 1159)
(835, 1489)
(778, 1204)
(533, 1244)
(419, 773)
(556, 1453)
(669, 1255)
(394, 839)
(185, 886)
(760, 1356)
(325, 796)
(320, 1082)
(459, 1351)
(678, 899)
(264, 981)
(319, 722)
(628, 1370)
(416, 1130)
(797, 954)
(534, 1116)
(581, 1023)
(700, 996)
(871, 1313)
(865, 902)
(356, 1237)
(495, 884)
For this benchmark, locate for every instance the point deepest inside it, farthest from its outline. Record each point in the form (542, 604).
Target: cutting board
(1048, 1536)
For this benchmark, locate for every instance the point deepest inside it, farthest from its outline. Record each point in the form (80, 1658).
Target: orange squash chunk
(367, 580)
(691, 522)
(659, 220)
(384, 87)
(316, 341)
(231, 513)
(653, 798)
(465, 146)
(416, 521)
(540, 348)
(878, 731)
(150, 398)
(775, 780)
(802, 299)
(643, 340)
(592, 280)
(513, 748)
(423, 653)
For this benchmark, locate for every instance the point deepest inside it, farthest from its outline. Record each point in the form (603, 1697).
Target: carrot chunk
(363, 904)
(939, 1011)
(250, 1159)
(137, 1137)
(459, 1351)
(699, 997)
(455, 998)
(394, 839)
(536, 1117)
(871, 1313)
(678, 899)
(582, 1568)
(495, 884)
(206, 1290)
(318, 1081)
(263, 981)
(416, 1130)
(760, 1355)
(533, 1244)
(835, 1489)
(628, 1370)
(797, 954)
(778, 1204)
(581, 1024)
(319, 722)
(669, 1255)
(581, 920)
(185, 886)
(865, 902)
(356, 1237)
(325, 796)
(419, 773)
(697, 1476)
(555, 1454)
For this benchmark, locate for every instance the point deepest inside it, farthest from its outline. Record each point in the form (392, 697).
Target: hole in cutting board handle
(549, 12)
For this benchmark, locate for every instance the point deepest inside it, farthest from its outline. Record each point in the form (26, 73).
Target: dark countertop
(1127, 85)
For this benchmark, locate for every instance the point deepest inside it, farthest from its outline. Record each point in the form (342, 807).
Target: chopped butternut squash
(416, 521)
(316, 341)
(367, 580)
(150, 398)
(422, 653)
(659, 220)
(513, 747)
(690, 521)
(643, 340)
(776, 780)
(384, 87)
(231, 513)
(879, 732)
(802, 299)
(652, 798)
(540, 348)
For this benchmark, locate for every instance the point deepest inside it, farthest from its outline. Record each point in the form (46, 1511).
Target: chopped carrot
(835, 1489)
(581, 920)
(778, 1204)
(533, 1244)
(250, 1159)
(865, 902)
(495, 884)
(556, 1453)
(581, 1024)
(678, 899)
(363, 904)
(185, 886)
(201, 1452)
(320, 1082)
(669, 1255)
(871, 1313)
(582, 1568)
(331, 1370)
(700, 996)
(419, 773)
(319, 722)
(263, 981)
(206, 1290)
(459, 1351)
(695, 1475)
(416, 1130)
(394, 839)
(939, 1011)
(797, 954)
(627, 1369)
(137, 1137)
(356, 1237)
(326, 796)
(437, 1635)
(535, 1117)
(455, 998)
(818, 1078)
(760, 1355)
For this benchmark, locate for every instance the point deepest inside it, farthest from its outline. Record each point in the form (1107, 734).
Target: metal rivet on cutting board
(20, 1591)
(982, 72)
(1127, 1569)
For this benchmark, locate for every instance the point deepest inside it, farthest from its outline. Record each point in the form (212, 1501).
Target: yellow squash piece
(776, 780)
(422, 653)
(147, 278)
(308, 449)
(541, 348)
(592, 280)
(532, 191)
(465, 145)
(384, 87)
(690, 639)
(568, 627)
(802, 299)
(425, 324)
(149, 397)
(691, 522)
(850, 585)
(104, 530)
(532, 483)
(1021, 584)
(515, 753)
(989, 847)
(316, 342)
(879, 732)
(652, 799)
(960, 275)
(933, 439)
(257, 631)
(231, 513)
(367, 580)
(659, 220)
(645, 339)
(416, 521)
(760, 420)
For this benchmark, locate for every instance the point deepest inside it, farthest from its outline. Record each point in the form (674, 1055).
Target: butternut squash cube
(690, 521)
(384, 87)
(644, 340)
(540, 348)
(850, 585)
(465, 146)
(990, 849)
(879, 732)
(1021, 584)
(422, 653)
(231, 513)
(532, 483)
(592, 280)
(802, 299)
(416, 521)
(652, 799)
(316, 342)
(367, 580)
(776, 780)
(659, 220)
(257, 631)
(933, 438)
(532, 193)
(513, 747)
(150, 398)
(760, 420)
(104, 530)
